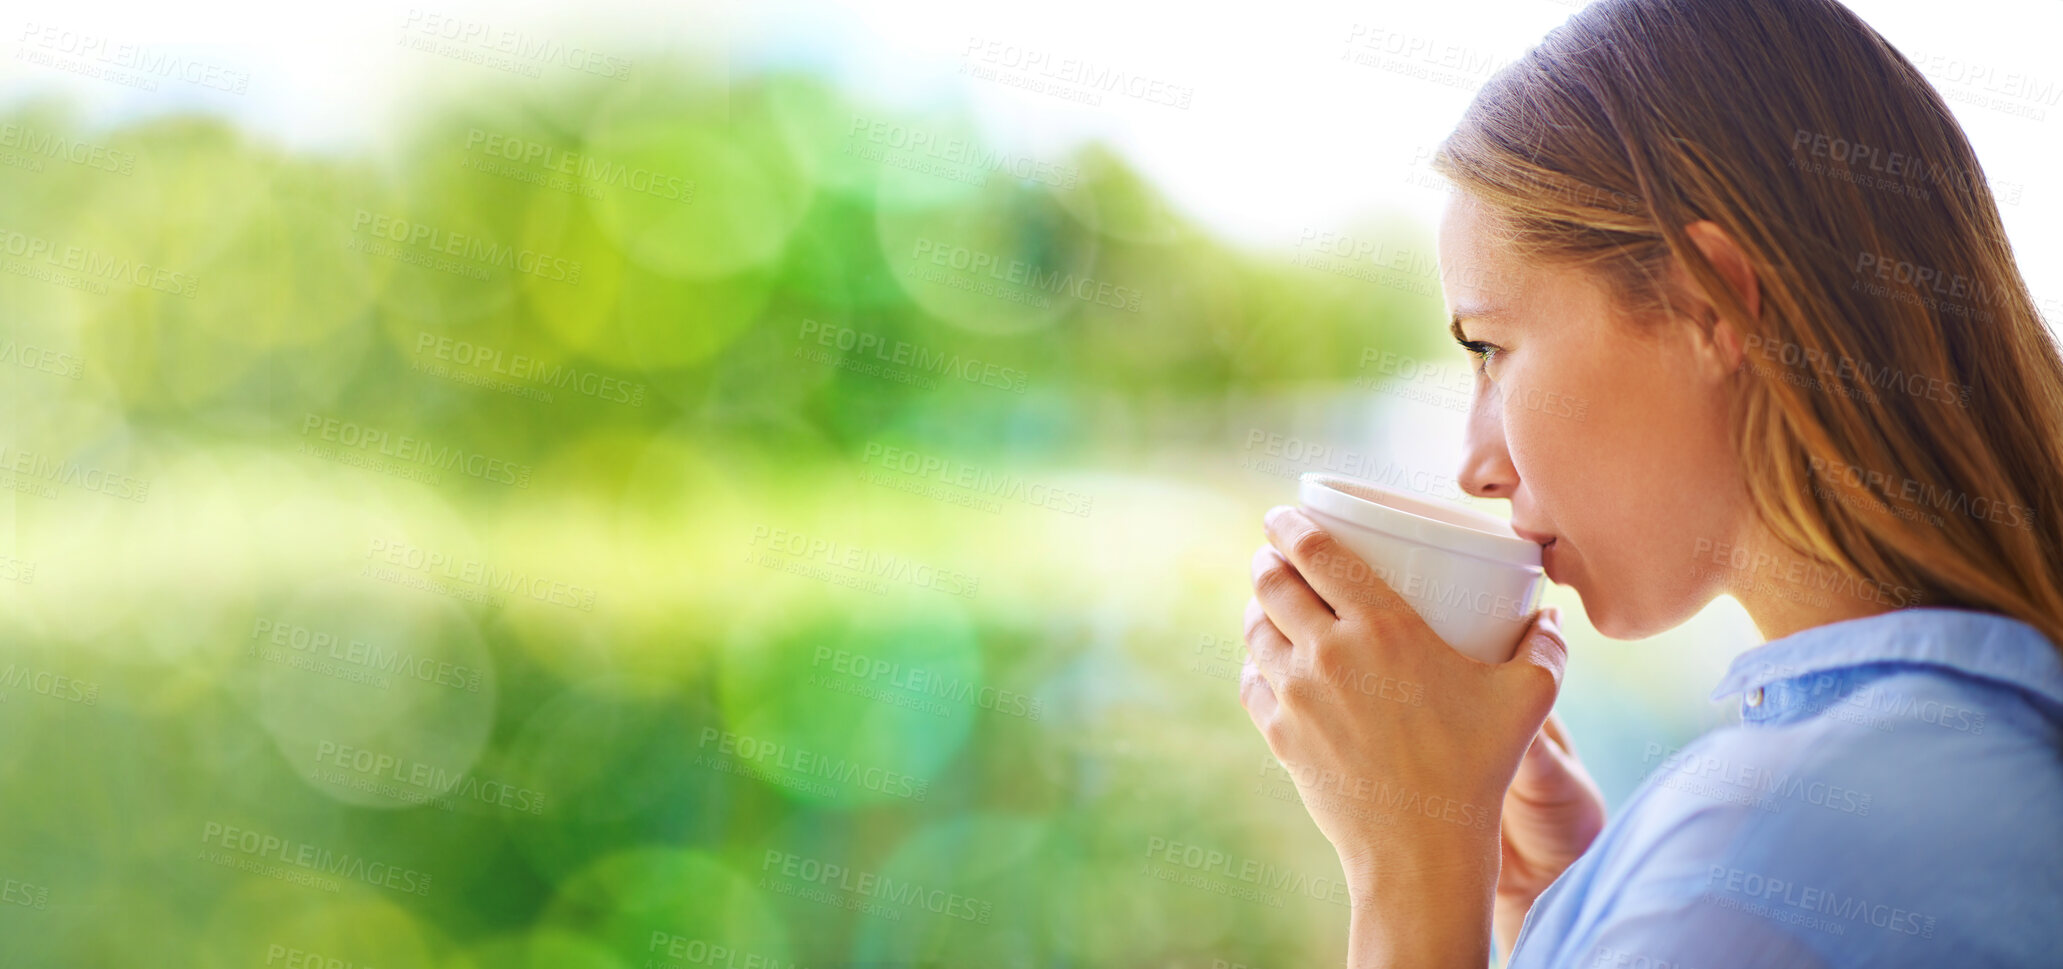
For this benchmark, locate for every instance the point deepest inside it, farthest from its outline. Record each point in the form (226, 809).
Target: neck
(1786, 593)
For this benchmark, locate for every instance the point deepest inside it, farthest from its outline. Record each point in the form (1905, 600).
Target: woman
(1752, 238)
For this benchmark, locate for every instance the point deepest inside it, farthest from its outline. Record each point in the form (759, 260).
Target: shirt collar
(1979, 644)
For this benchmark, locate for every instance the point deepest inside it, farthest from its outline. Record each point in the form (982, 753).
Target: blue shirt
(1893, 796)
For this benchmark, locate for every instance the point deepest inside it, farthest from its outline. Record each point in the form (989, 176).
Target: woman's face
(1607, 434)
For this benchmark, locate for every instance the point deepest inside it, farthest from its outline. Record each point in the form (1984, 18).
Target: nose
(1486, 468)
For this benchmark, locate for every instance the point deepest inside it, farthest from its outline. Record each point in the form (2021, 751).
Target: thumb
(1542, 646)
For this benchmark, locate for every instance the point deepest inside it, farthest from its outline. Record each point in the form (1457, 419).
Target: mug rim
(1490, 538)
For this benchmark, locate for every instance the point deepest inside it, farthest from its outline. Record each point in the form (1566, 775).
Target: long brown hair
(1900, 415)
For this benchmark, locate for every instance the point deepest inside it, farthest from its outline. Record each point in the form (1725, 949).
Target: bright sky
(1275, 130)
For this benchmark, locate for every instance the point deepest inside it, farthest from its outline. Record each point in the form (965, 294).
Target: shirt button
(1754, 697)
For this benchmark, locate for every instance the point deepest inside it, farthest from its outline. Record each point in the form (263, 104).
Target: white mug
(1468, 574)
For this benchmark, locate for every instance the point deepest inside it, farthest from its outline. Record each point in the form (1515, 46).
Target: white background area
(1282, 134)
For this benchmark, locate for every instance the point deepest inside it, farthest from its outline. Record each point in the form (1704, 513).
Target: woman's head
(1753, 324)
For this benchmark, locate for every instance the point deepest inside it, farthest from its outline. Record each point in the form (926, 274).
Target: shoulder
(1881, 749)
(1898, 815)
(1890, 798)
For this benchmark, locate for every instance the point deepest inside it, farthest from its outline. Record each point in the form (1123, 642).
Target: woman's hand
(1401, 747)
(1552, 812)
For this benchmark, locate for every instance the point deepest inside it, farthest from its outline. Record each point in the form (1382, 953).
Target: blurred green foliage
(499, 547)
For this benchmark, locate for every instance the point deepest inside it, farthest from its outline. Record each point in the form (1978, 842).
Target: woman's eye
(1481, 351)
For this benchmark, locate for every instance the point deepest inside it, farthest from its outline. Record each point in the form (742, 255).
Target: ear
(1724, 340)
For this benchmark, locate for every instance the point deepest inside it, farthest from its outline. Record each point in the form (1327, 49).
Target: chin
(1614, 617)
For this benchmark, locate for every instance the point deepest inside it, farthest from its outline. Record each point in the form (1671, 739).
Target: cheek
(1567, 466)
(1639, 430)
(1632, 473)
(1665, 435)
(1554, 426)
(1615, 450)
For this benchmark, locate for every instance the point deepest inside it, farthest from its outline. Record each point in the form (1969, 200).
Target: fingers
(1537, 762)
(1288, 600)
(1257, 697)
(1543, 756)
(1314, 552)
(1266, 643)
(1345, 583)
(1549, 772)
(1266, 647)
(1555, 732)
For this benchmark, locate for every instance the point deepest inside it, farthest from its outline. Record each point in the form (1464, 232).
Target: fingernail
(1275, 513)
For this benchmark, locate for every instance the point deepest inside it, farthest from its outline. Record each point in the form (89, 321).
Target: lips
(1546, 543)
